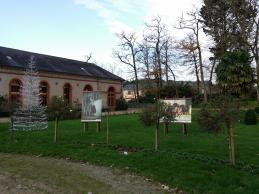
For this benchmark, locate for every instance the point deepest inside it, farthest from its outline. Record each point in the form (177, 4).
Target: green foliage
(250, 117)
(121, 104)
(56, 108)
(229, 23)
(257, 109)
(149, 97)
(210, 119)
(234, 73)
(160, 109)
(149, 116)
(219, 111)
(59, 109)
(184, 90)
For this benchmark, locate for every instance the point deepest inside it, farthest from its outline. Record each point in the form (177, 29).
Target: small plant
(209, 119)
(250, 117)
(148, 117)
(121, 104)
(257, 109)
(55, 110)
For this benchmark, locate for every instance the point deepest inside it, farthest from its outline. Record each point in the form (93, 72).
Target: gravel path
(21, 174)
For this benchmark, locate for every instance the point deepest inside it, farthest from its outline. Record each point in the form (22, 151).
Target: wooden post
(231, 146)
(157, 136)
(55, 130)
(12, 131)
(85, 126)
(107, 127)
(98, 127)
(166, 126)
(184, 129)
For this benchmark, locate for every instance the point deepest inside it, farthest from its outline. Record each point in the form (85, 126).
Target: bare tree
(88, 57)
(168, 61)
(144, 57)
(127, 54)
(193, 23)
(187, 53)
(155, 37)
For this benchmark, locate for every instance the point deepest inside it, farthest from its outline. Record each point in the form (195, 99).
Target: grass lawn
(197, 163)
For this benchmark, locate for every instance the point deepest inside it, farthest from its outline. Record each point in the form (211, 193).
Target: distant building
(58, 77)
(129, 91)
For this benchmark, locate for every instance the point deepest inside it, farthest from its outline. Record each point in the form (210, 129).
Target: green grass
(197, 163)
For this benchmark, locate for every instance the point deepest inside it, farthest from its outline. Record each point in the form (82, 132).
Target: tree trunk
(257, 78)
(107, 127)
(157, 135)
(201, 65)
(98, 126)
(257, 58)
(196, 72)
(211, 73)
(231, 146)
(135, 72)
(56, 130)
(184, 129)
(166, 128)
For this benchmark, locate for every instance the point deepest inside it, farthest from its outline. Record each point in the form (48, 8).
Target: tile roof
(18, 59)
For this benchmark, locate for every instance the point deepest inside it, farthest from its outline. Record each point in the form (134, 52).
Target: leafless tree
(187, 53)
(156, 32)
(193, 23)
(144, 57)
(127, 54)
(88, 57)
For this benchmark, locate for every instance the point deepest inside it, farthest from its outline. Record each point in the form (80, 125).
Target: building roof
(19, 59)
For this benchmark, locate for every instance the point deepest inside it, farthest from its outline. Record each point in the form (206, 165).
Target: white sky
(75, 28)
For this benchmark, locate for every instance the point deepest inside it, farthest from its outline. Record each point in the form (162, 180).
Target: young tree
(193, 23)
(234, 76)
(56, 109)
(127, 54)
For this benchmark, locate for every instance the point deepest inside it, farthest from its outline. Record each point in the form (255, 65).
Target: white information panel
(182, 108)
(91, 107)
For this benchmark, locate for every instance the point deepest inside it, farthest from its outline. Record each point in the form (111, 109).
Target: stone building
(58, 77)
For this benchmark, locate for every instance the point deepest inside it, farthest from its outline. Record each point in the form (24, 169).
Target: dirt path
(21, 174)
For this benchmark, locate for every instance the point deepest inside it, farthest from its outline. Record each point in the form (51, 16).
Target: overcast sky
(74, 28)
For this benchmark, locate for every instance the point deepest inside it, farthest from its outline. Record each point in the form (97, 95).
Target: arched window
(88, 88)
(44, 93)
(67, 93)
(111, 96)
(14, 91)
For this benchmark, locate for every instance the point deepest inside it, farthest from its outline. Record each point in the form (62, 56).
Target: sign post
(91, 109)
(181, 108)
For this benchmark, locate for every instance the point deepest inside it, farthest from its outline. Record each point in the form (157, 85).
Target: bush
(58, 109)
(4, 114)
(257, 109)
(250, 117)
(148, 98)
(209, 119)
(121, 104)
(5, 109)
(148, 117)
